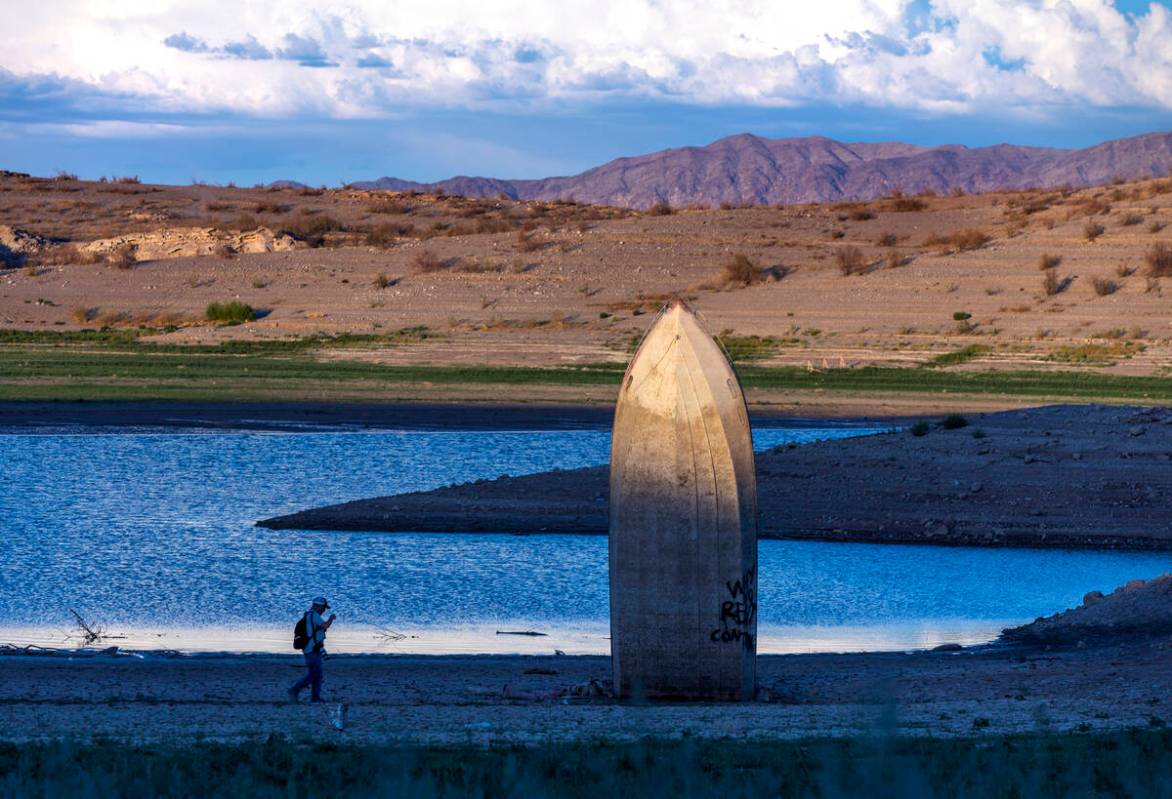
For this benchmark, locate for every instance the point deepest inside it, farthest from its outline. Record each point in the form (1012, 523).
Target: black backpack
(301, 633)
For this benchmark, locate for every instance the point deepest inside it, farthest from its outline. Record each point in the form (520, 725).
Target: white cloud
(373, 58)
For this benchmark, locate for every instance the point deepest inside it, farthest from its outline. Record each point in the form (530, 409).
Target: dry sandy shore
(451, 699)
(1062, 476)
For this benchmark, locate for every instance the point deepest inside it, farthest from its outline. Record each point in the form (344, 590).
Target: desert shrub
(1130, 219)
(1123, 270)
(426, 261)
(1159, 259)
(966, 239)
(62, 255)
(954, 421)
(960, 316)
(919, 429)
(1092, 231)
(381, 281)
(81, 315)
(838, 234)
(242, 222)
(122, 257)
(888, 240)
(383, 235)
(224, 251)
(661, 208)
(309, 227)
(970, 239)
(739, 270)
(1155, 227)
(862, 215)
(904, 204)
(1052, 284)
(390, 205)
(1104, 286)
(270, 207)
(493, 225)
(229, 312)
(1047, 261)
(850, 260)
(526, 242)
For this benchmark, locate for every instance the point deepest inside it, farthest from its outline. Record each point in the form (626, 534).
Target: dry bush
(216, 207)
(122, 257)
(426, 261)
(1159, 259)
(970, 239)
(965, 239)
(526, 242)
(1104, 286)
(1092, 230)
(480, 266)
(82, 315)
(62, 255)
(384, 235)
(381, 281)
(270, 207)
(1047, 261)
(904, 204)
(1130, 219)
(1090, 206)
(390, 205)
(862, 215)
(888, 240)
(1052, 284)
(310, 227)
(895, 259)
(739, 270)
(241, 222)
(1123, 270)
(1155, 227)
(487, 224)
(661, 208)
(850, 260)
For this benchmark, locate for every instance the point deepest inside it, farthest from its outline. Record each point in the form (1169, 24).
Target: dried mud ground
(451, 699)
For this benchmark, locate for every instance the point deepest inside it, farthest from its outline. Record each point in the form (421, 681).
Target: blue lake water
(151, 534)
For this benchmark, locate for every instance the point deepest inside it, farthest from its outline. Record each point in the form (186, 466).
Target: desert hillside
(1036, 279)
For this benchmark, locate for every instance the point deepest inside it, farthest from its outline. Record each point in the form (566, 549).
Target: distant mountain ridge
(747, 169)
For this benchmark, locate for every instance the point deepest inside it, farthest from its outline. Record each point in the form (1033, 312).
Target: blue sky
(425, 90)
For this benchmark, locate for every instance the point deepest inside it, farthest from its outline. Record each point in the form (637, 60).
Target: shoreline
(1066, 477)
(426, 700)
(31, 416)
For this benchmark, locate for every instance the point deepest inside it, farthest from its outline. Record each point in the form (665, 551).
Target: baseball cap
(321, 600)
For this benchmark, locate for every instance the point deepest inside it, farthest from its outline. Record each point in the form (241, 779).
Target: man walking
(314, 648)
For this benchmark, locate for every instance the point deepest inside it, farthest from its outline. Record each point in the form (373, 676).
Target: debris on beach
(1139, 608)
(89, 632)
(521, 632)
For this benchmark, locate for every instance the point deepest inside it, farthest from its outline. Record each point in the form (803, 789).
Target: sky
(340, 90)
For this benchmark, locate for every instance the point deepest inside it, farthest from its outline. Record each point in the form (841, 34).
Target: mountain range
(748, 169)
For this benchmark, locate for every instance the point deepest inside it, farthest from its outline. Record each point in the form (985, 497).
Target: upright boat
(683, 521)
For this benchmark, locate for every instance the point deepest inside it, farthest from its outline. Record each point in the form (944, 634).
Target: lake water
(151, 535)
